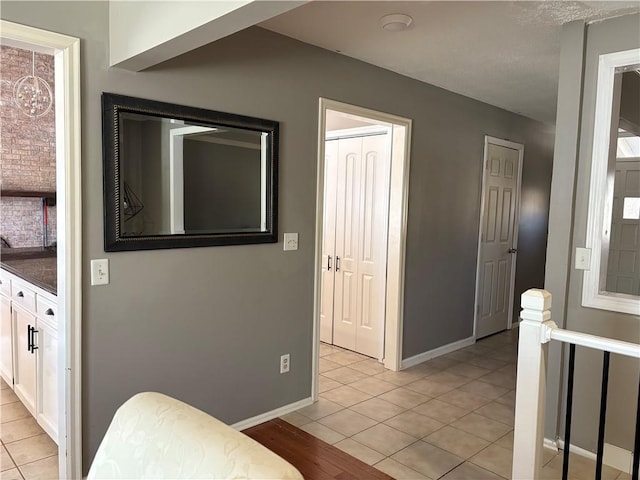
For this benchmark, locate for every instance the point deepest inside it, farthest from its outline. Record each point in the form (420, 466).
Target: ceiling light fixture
(396, 22)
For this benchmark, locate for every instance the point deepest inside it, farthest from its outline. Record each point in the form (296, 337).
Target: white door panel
(497, 240)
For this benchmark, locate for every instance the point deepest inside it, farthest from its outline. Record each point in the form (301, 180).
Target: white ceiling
(502, 53)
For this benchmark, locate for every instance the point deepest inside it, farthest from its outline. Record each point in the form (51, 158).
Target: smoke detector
(396, 22)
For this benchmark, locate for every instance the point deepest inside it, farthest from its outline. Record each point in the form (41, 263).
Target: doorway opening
(498, 236)
(361, 217)
(66, 95)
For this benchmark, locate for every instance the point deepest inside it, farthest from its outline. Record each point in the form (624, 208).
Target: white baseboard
(551, 444)
(436, 352)
(278, 412)
(613, 456)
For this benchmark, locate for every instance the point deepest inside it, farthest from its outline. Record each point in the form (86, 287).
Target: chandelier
(32, 94)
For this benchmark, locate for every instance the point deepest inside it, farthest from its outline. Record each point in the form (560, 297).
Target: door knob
(513, 250)
(328, 263)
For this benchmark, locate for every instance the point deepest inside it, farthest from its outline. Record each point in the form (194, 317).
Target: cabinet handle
(20, 294)
(49, 312)
(34, 347)
(337, 263)
(328, 263)
(29, 327)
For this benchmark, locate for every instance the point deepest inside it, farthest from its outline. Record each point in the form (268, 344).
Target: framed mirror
(177, 176)
(613, 229)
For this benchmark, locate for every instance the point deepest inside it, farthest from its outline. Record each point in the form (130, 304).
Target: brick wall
(27, 152)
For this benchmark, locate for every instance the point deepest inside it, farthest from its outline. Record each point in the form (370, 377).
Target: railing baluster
(603, 414)
(567, 422)
(636, 444)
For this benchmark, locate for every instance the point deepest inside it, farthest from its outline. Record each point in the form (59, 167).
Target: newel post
(535, 327)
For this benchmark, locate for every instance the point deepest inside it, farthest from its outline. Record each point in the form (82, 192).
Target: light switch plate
(583, 258)
(100, 272)
(290, 241)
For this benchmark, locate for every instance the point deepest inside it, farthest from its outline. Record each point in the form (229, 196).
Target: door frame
(397, 230)
(520, 148)
(66, 51)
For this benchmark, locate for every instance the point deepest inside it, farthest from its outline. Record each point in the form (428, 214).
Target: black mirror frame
(112, 106)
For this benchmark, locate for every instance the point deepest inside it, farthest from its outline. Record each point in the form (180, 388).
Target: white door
(328, 241)
(47, 368)
(360, 241)
(497, 254)
(25, 359)
(623, 269)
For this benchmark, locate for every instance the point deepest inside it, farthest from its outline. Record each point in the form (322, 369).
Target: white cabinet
(29, 356)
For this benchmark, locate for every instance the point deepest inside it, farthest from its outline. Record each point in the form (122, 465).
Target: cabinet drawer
(5, 284)
(23, 296)
(46, 309)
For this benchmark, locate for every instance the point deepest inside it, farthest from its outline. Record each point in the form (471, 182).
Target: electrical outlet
(100, 272)
(290, 241)
(285, 363)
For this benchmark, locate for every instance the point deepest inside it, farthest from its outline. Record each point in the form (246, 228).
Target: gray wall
(616, 34)
(208, 325)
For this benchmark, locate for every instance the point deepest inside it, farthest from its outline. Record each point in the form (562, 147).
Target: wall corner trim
(437, 352)
(278, 412)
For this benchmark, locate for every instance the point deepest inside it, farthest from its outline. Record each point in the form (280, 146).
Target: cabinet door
(25, 361)
(6, 347)
(47, 353)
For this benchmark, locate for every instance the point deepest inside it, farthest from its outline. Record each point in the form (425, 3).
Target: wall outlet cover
(583, 259)
(290, 241)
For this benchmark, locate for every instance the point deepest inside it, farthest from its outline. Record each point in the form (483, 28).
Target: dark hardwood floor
(315, 459)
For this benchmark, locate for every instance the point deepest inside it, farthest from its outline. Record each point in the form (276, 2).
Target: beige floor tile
(13, 411)
(6, 463)
(442, 363)
(31, 449)
(427, 459)
(469, 471)
(399, 471)
(414, 424)
(320, 409)
(295, 418)
(322, 432)
(488, 363)
(506, 441)
(3, 384)
(12, 474)
(508, 398)
(482, 427)
(398, 378)
(448, 378)
(347, 422)
(456, 441)
(579, 468)
(441, 411)
(462, 399)
(404, 397)
(7, 396)
(384, 439)
(370, 367)
(502, 356)
(360, 451)
(495, 459)
(428, 387)
(624, 476)
(378, 409)
(373, 386)
(485, 389)
(499, 379)
(19, 429)
(498, 412)
(41, 470)
(461, 355)
(468, 370)
(509, 370)
(345, 375)
(424, 369)
(325, 384)
(326, 349)
(345, 357)
(345, 396)
(327, 365)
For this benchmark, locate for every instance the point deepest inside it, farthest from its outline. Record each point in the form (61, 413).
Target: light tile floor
(27, 452)
(450, 418)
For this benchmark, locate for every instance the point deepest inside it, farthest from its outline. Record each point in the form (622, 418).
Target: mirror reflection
(623, 264)
(182, 178)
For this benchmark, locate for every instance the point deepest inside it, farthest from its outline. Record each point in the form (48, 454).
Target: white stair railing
(536, 330)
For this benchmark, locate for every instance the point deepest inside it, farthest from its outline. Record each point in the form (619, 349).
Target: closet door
(371, 252)
(347, 242)
(328, 240)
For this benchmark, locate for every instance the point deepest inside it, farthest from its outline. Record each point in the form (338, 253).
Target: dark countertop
(40, 269)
